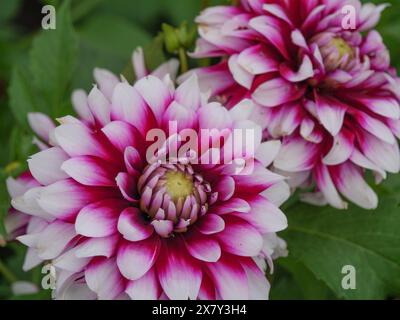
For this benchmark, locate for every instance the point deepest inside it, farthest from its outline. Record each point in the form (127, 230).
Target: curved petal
(342, 148)
(91, 171)
(296, 155)
(201, 247)
(327, 187)
(45, 166)
(351, 184)
(210, 224)
(102, 276)
(229, 278)
(275, 92)
(157, 102)
(264, 216)
(132, 225)
(135, 259)
(179, 274)
(99, 219)
(240, 238)
(331, 113)
(144, 288)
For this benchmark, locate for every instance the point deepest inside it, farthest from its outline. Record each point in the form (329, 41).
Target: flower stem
(183, 60)
(8, 275)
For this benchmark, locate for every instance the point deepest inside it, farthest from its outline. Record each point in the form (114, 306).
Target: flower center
(342, 47)
(173, 196)
(337, 53)
(179, 185)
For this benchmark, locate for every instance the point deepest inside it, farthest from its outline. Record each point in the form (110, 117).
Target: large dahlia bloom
(323, 83)
(117, 223)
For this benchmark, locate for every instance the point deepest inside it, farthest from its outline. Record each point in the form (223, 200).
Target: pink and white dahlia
(120, 221)
(322, 80)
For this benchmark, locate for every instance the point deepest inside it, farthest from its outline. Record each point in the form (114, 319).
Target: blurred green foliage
(40, 68)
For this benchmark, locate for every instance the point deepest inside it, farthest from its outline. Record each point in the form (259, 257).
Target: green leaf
(8, 9)
(42, 83)
(107, 41)
(325, 240)
(81, 8)
(23, 97)
(53, 60)
(292, 280)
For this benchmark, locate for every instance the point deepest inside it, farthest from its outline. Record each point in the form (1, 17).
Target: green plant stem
(183, 60)
(8, 275)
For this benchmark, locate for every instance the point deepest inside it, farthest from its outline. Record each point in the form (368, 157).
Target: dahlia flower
(119, 222)
(323, 84)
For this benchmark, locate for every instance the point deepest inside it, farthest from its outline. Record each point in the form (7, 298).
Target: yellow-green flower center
(179, 185)
(342, 47)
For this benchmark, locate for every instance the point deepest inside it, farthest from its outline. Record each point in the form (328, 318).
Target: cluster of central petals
(323, 84)
(173, 196)
(116, 223)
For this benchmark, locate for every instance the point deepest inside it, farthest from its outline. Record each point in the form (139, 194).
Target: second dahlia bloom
(121, 224)
(323, 83)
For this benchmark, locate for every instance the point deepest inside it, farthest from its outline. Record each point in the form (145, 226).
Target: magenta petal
(229, 278)
(331, 113)
(157, 102)
(135, 259)
(78, 140)
(179, 274)
(122, 135)
(241, 75)
(350, 182)
(225, 188)
(163, 227)
(285, 119)
(240, 238)
(384, 155)
(210, 224)
(296, 155)
(99, 106)
(207, 289)
(91, 171)
(232, 205)
(133, 160)
(99, 219)
(41, 124)
(144, 288)
(106, 81)
(327, 187)
(275, 92)
(66, 198)
(258, 283)
(202, 247)
(264, 216)
(132, 226)
(270, 28)
(258, 60)
(129, 106)
(385, 106)
(259, 180)
(45, 166)
(305, 71)
(80, 104)
(188, 93)
(374, 126)
(127, 184)
(98, 247)
(54, 239)
(342, 148)
(102, 276)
